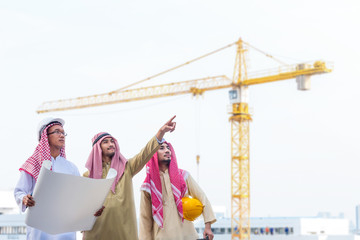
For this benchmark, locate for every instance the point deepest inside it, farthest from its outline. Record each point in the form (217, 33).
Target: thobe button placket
(166, 193)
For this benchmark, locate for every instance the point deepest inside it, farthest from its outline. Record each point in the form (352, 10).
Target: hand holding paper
(67, 203)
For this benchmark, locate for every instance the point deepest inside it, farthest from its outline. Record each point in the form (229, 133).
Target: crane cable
(266, 54)
(173, 68)
(197, 137)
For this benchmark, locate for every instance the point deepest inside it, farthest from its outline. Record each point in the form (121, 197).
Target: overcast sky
(304, 149)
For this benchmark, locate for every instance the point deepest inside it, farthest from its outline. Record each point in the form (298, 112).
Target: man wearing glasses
(51, 147)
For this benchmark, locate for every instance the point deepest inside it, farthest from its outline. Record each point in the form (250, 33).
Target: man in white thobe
(51, 147)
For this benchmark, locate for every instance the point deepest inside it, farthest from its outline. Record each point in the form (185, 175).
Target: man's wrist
(160, 142)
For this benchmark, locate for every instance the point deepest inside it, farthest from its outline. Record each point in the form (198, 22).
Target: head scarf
(42, 152)
(152, 185)
(94, 162)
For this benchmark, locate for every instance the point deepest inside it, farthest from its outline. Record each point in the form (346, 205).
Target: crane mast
(240, 167)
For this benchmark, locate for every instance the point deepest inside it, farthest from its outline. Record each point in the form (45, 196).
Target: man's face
(164, 153)
(56, 136)
(108, 147)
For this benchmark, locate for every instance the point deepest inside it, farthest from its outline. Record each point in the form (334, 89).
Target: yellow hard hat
(192, 208)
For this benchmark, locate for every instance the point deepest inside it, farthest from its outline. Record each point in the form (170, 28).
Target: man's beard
(167, 161)
(110, 154)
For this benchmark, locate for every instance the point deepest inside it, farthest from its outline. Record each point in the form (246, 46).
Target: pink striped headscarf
(42, 152)
(152, 185)
(94, 162)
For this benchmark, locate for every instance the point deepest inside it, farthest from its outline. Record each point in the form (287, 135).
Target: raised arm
(169, 126)
(140, 159)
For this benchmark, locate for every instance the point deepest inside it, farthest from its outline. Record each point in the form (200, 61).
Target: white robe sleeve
(24, 187)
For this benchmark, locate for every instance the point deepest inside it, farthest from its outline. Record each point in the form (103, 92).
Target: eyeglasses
(57, 132)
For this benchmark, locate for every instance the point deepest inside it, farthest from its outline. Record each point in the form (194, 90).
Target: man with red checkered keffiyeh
(161, 209)
(51, 147)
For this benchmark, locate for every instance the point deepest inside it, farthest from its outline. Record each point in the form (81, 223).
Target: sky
(304, 156)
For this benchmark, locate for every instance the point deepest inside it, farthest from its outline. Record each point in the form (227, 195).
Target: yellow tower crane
(240, 116)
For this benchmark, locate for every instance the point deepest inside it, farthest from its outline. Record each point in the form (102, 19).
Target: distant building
(12, 224)
(321, 227)
(357, 215)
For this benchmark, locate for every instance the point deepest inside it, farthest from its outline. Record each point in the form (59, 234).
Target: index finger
(171, 119)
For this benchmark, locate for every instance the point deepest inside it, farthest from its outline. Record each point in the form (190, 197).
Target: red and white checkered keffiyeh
(42, 152)
(152, 185)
